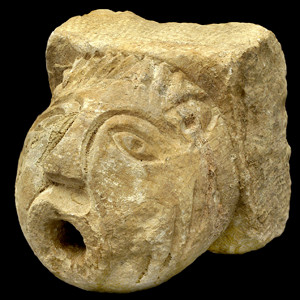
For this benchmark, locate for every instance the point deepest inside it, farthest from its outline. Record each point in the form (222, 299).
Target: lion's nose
(63, 164)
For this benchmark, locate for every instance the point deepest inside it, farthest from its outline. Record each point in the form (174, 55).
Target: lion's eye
(134, 145)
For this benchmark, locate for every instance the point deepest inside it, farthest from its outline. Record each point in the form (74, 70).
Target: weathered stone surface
(162, 141)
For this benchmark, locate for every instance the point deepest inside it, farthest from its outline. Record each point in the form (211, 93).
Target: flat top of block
(179, 44)
(125, 29)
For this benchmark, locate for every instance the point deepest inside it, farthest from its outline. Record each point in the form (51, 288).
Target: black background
(266, 272)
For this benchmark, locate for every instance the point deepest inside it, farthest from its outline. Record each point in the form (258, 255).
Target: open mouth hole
(69, 237)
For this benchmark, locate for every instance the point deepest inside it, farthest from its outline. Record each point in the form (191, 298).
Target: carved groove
(144, 273)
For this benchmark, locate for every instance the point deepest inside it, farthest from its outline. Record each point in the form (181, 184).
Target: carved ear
(195, 116)
(202, 123)
(199, 117)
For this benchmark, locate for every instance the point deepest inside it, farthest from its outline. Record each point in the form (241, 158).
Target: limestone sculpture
(162, 141)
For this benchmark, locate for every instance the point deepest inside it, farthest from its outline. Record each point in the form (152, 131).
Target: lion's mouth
(68, 237)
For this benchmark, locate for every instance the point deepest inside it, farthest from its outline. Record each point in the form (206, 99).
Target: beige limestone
(162, 141)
